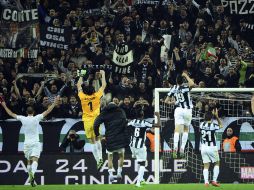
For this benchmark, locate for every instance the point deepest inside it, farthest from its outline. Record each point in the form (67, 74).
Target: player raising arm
(32, 146)
(137, 141)
(90, 103)
(209, 150)
(179, 95)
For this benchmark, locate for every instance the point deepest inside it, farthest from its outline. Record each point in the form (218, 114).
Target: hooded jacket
(115, 122)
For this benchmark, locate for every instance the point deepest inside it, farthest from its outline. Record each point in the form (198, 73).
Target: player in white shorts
(32, 146)
(137, 142)
(209, 150)
(179, 95)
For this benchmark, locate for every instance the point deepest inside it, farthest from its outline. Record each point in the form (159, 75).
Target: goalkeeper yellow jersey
(90, 104)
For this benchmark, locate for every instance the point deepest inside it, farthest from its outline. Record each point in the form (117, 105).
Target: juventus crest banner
(122, 59)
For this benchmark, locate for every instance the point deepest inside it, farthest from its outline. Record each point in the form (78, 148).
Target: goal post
(157, 92)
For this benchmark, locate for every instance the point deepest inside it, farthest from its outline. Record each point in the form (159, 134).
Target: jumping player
(179, 95)
(90, 102)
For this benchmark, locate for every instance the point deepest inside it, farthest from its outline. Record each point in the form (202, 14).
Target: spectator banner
(53, 132)
(122, 59)
(81, 169)
(239, 7)
(151, 2)
(55, 37)
(92, 12)
(18, 32)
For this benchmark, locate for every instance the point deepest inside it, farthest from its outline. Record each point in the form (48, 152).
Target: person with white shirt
(32, 146)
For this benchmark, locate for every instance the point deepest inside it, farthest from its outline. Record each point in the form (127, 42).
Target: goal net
(235, 111)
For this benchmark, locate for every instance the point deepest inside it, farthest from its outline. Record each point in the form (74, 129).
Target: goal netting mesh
(235, 112)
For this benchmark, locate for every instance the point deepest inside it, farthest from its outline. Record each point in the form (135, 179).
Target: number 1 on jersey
(91, 106)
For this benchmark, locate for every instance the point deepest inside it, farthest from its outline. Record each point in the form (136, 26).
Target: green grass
(130, 187)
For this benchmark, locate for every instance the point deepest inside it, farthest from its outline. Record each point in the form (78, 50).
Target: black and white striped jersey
(182, 96)
(207, 130)
(138, 132)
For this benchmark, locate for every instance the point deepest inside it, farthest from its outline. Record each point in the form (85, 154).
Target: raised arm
(40, 90)
(79, 84)
(215, 113)
(9, 112)
(16, 89)
(190, 81)
(158, 124)
(103, 80)
(51, 107)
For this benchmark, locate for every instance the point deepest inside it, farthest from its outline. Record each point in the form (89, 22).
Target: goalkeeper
(90, 103)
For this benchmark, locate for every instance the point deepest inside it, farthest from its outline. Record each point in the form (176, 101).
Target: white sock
(141, 172)
(95, 152)
(28, 167)
(184, 140)
(205, 173)
(176, 139)
(119, 170)
(110, 171)
(99, 149)
(34, 167)
(216, 171)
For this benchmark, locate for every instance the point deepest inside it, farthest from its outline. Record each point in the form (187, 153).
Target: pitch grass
(130, 187)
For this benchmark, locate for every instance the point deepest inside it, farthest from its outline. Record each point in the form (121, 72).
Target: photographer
(72, 143)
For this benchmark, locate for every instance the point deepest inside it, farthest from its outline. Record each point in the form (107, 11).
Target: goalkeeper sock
(216, 171)
(176, 139)
(141, 172)
(34, 167)
(95, 152)
(99, 149)
(184, 140)
(205, 173)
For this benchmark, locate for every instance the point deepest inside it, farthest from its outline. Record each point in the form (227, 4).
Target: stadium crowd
(197, 29)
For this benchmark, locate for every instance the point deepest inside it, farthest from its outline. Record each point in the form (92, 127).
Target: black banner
(122, 59)
(81, 169)
(239, 7)
(55, 37)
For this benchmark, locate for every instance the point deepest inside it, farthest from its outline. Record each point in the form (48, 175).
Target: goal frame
(157, 130)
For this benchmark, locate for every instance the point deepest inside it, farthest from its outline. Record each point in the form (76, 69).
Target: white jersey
(138, 136)
(208, 137)
(31, 127)
(182, 96)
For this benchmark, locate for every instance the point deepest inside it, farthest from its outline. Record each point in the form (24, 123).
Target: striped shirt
(182, 96)
(138, 133)
(208, 136)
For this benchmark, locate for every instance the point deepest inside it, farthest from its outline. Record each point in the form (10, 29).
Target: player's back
(182, 96)
(31, 125)
(138, 132)
(208, 136)
(90, 103)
